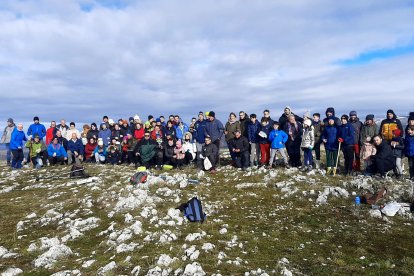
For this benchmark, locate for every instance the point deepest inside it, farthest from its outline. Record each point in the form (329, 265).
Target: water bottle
(193, 181)
(357, 201)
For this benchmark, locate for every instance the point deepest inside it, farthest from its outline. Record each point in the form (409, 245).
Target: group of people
(251, 142)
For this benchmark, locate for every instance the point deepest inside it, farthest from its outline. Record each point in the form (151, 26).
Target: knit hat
(352, 113)
(111, 122)
(346, 117)
(212, 114)
(397, 132)
(36, 118)
(410, 116)
(37, 136)
(158, 120)
(10, 120)
(136, 117)
(100, 143)
(207, 113)
(330, 110)
(287, 107)
(150, 117)
(390, 111)
(331, 118)
(131, 119)
(369, 117)
(307, 122)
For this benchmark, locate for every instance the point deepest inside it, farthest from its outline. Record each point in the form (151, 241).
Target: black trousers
(242, 159)
(348, 151)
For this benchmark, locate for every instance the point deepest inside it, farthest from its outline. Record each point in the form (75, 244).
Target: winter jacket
(330, 134)
(336, 119)
(253, 130)
(113, 157)
(266, 129)
(179, 152)
(409, 145)
(169, 151)
(398, 150)
(367, 151)
(139, 133)
(180, 130)
(89, 149)
(308, 138)
(384, 154)
(76, 146)
(214, 129)
(347, 133)
(106, 136)
(190, 147)
(17, 139)
(146, 149)
(93, 133)
(284, 119)
(58, 149)
(368, 131)
(116, 134)
(199, 135)
(357, 126)
(101, 151)
(170, 131)
(318, 130)
(209, 150)
(38, 129)
(8, 130)
(63, 129)
(277, 139)
(63, 142)
(50, 133)
(294, 132)
(230, 128)
(244, 123)
(70, 132)
(35, 148)
(239, 143)
(388, 125)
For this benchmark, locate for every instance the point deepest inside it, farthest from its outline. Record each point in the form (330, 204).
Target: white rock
(88, 263)
(223, 231)
(194, 269)
(126, 247)
(32, 215)
(11, 271)
(128, 218)
(136, 270)
(136, 227)
(286, 272)
(54, 253)
(208, 247)
(165, 260)
(391, 209)
(192, 253)
(375, 214)
(3, 251)
(106, 269)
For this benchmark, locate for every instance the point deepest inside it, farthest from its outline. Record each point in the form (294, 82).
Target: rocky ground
(259, 222)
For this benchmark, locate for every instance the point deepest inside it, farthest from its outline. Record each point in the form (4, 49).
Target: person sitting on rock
(57, 153)
(383, 161)
(210, 152)
(37, 151)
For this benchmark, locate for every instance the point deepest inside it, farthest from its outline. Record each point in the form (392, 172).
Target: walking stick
(337, 159)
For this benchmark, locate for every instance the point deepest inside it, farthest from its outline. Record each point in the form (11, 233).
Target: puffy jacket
(239, 143)
(318, 130)
(181, 130)
(330, 134)
(50, 133)
(336, 119)
(409, 145)
(169, 151)
(146, 149)
(368, 131)
(346, 132)
(58, 149)
(17, 139)
(384, 154)
(308, 138)
(102, 151)
(209, 150)
(231, 128)
(398, 150)
(106, 136)
(38, 129)
(190, 147)
(357, 125)
(244, 123)
(76, 146)
(388, 125)
(253, 130)
(35, 147)
(89, 149)
(266, 129)
(277, 139)
(214, 129)
(199, 134)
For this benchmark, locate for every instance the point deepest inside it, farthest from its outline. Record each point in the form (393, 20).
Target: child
(277, 139)
(264, 141)
(346, 137)
(330, 140)
(253, 129)
(409, 150)
(179, 154)
(397, 145)
(113, 155)
(367, 150)
(317, 129)
(308, 141)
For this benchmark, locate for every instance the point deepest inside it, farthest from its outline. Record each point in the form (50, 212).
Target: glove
(340, 140)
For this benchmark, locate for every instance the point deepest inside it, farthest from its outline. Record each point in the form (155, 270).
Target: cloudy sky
(81, 59)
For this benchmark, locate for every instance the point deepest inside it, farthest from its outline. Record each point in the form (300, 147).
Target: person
(116, 133)
(139, 132)
(189, 148)
(179, 155)
(409, 150)
(318, 126)
(357, 126)
(170, 129)
(105, 134)
(209, 151)
(264, 143)
(231, 126)
(75, 150)
(397, 146)
(63, 127)
(308, 141)
(169, 151)
(146, 150)
(51, 132)
(16, 146)
(294, 130)
(93, 132)
(84, 135)
(180, 129)
(199, 133)
(383, 160)
(330, 112)
(72, 129)
(369, 128)
(284, 117)
(367, 150)
(100, 152)
(56, 152)
(157, 134)
(37, 151)
(62, 140)
(244, 121)
(388, 125)
(113, 155)
(277, 139)
(124, 128)
(330, 140)
(266, 114)
(128, 146)
(239, 145)
(6, 137)
(89, 149)
(105, 120)
(253, 130)
(37, 128)
(346, 137)
(410, 122)
(215, 130)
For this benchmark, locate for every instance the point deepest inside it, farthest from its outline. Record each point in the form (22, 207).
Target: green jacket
(35, 148)
(146, 149)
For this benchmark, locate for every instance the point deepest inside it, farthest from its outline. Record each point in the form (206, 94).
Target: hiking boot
(303, 168)
(309, 168)
(317, 164)
(287, 166)
(329, 171)
(213, 171)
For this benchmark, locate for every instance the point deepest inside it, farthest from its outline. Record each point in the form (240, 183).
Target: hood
(411, 116)
(392, 112)
(330, 110)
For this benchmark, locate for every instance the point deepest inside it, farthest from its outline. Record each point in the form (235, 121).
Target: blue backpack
(194, 211)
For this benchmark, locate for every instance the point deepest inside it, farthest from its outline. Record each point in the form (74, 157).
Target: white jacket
(190, 147)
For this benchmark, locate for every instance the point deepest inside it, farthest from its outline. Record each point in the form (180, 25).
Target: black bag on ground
(78, 172)
(193, 210)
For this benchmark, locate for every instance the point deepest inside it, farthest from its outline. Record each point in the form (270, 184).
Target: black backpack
(138, 178)
(78, 172)
(193, 210)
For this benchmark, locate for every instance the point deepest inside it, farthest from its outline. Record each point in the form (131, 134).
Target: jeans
(307, 157)
(254, 153)
(17, 158)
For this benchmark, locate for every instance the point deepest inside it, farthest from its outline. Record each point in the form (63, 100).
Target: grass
(317, 240)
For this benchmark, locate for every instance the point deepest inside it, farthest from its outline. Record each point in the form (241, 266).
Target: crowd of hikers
(251, 141)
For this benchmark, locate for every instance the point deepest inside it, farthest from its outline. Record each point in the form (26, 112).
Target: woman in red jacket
(139, 132)
(51, 132)
(89, 148)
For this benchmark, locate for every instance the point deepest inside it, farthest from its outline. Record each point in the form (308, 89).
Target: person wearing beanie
(215, 130)
(317, 130)
(331, 143)
(410, 122)
(357, 125)
(253, 130)
(37, 128)
(346, 137)
(100, 152)
(37, 151)
(369, 129)
(277, 140)
(6, 137)
(308, 141)
(330, 112)
(397, 146)
(16, 146)
(56, 152)
(72, 129)
(284, 117)
(388, 125)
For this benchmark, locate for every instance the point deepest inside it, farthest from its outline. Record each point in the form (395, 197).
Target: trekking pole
(337, 159)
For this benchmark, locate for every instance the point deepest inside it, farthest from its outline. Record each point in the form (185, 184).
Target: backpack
(138, 178)
(193, 210)
(78, 172)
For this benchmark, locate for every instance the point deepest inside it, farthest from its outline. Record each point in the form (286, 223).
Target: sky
(82, 59)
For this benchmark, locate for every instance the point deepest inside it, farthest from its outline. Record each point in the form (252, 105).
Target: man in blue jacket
(37, 128)
(56, 152)
(16, 146)
(214, 129)
(75, 150)
(346, 134)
